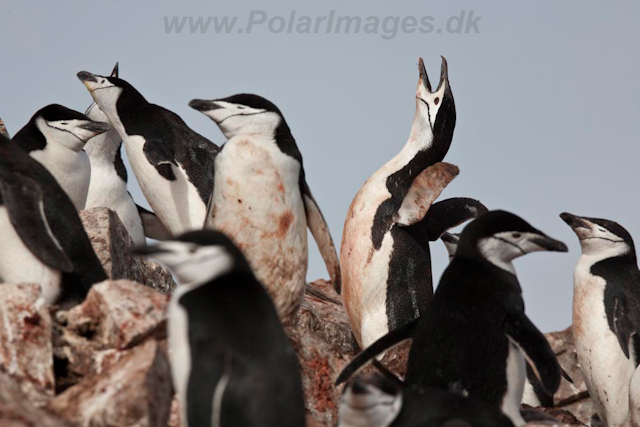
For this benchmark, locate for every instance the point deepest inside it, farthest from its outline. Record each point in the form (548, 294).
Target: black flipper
(622, 324)
(386, 342)
(450, 213)
(546, 399)
(23, 199)
(536, 350)
(153, 228)
(161, 157)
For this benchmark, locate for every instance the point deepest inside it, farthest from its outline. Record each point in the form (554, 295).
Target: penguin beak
(424, 78)
(95, 127)
(574, 221)
(204, 105)
(444, 73)
(549, 244)
(450, 238)
(86, 76)
(149, 251)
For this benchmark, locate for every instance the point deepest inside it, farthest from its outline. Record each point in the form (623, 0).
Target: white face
(236, 119)
(502, 248)
(428, 104)
(70, 133)
(193, 264)
(105, 94)
(597, 240)
(375, 408)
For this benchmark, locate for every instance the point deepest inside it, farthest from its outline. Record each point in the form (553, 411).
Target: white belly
(179, 349)
(607, 372)
(108, 190)
(19, 265)
(71, 169)
(176, 203)
(257, 203)
(516, 376)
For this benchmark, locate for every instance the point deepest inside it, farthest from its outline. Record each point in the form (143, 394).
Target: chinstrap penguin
(479, 300)
(108, 187)
(606, 314)
(42, 239)
(386, 270)
(261, 198)
(55, 136)
(375, 401)
(172, 163)
(232, 363)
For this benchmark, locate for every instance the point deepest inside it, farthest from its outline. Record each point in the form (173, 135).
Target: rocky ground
(105, 362)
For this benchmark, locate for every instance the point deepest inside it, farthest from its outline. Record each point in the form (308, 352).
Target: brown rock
(26, 354)
(135, 391)
(17, 411)
(118, 314)
(111, 243)
(175, 419)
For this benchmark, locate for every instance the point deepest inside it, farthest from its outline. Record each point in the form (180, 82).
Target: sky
(546, 93)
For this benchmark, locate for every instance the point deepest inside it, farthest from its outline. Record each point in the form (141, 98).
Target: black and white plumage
(606, 314)
(475, 337)
(375, 401)
(172, 163)
(261, 198)
(108, 187)
(42, 239)
(55, 136)
(232, 363)
(386, 270)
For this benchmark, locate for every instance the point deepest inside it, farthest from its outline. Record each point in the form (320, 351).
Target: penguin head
(196, 257)
(64, 126)
(600, 236)
(243, 113)
(435, 109)
(500, 237)
(94, 112)
(369, 400)
(110, 93)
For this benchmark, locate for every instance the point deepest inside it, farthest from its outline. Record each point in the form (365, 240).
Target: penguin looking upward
(42, 239)
(479, 300)
(375, 401)
(386, 267)
(55, 136)
(232, 363)
(606, 314)
(3, 130)
(172, 163)
(108, 187)
(261, 199)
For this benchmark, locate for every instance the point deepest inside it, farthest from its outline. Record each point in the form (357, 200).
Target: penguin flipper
(449, 213)
(622, 325)
(153, 228)
(320, 231)
(161, 157)
(386, 342)
(536, 350)
(424, 190)
(24, 202)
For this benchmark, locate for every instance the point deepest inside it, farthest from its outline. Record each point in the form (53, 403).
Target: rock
(135, 391)
(111, 243)
(175, 419)
(17, 411)
(26, 353)
(571, 397)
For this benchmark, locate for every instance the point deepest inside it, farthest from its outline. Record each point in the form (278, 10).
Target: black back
(64, 221)
(169, 134)
(30, 138)
(234, 330)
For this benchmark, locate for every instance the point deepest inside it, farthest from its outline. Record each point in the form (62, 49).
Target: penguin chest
(516, 376)
(606, 370)
(257, 202)
(19, 265)
(71, 169)
(108, 190)
(176, 202)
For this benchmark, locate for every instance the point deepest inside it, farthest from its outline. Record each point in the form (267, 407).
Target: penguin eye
(193, 250)
(436, 101)
(602, 230)
(516, 235)
(240, 108)
(63, 123)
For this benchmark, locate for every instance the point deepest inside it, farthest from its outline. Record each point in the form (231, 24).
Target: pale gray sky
(546, 94)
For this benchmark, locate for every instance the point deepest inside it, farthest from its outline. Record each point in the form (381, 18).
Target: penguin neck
(103, 148)
(420, 140)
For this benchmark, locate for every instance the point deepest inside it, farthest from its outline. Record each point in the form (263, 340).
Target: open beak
(203, 105)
